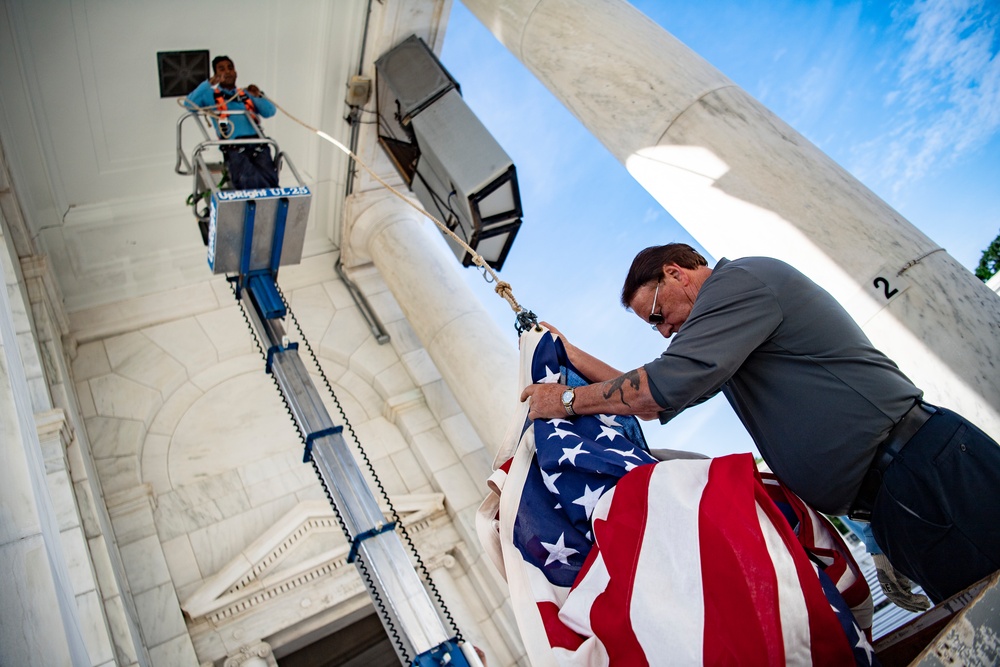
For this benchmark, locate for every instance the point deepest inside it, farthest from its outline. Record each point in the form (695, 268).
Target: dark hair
(648, 266)
(218, 59)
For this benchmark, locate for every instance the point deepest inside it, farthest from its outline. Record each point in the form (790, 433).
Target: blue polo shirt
(204, 96)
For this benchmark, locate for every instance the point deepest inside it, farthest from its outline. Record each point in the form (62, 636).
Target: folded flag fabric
(615, 558)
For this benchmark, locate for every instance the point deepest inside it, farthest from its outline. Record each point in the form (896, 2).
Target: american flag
(615, 558)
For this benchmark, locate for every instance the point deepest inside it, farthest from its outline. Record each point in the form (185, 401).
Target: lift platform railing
(204, 124)
(197, 167)
(245, 230)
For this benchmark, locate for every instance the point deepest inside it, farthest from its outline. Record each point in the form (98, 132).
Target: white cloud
(947, 91)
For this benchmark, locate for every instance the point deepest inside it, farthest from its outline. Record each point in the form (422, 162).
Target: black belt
(239, 148)
(887, 450)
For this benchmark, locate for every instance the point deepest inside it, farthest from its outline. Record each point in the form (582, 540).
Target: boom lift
(250, 234)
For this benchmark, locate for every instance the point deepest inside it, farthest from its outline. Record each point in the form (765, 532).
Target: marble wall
(54, 581)
(198, 459)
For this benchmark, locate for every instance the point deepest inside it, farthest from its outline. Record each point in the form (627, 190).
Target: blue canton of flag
(578, 460)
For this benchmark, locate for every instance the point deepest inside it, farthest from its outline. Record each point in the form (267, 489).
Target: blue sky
(905, 95)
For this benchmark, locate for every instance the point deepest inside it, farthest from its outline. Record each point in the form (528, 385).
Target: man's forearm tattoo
(611, 386)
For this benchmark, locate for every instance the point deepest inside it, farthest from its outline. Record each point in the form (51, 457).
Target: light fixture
(451, 162)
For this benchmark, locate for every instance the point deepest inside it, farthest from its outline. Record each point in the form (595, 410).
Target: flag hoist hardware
(250, 234)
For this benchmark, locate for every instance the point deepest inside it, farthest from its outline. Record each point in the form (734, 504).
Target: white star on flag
(629, 465)
(571, 454)
(608, 420)
(551, 377)
(609, 433)
(589, 499)
(623, 453)
(559, 551)
(562, 433)
(863, 644)
(555, 422)
(550, 481)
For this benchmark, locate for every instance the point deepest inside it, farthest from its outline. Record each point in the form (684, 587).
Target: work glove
(897, 586)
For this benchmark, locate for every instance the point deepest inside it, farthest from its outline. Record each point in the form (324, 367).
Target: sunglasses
(655, 319)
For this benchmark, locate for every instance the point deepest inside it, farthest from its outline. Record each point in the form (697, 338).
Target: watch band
(567, 400)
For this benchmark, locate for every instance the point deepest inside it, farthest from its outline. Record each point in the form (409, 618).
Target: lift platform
(250, 234)
(276, 213)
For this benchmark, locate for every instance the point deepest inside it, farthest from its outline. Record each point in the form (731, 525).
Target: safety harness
(225, 127)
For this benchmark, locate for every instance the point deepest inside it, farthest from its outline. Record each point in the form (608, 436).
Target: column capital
(257, 654)
(366, 214)
(441, 561)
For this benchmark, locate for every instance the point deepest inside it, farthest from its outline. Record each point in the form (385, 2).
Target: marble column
(745, 183)
(473, 357)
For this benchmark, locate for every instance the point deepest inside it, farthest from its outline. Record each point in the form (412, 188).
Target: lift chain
(400, 528)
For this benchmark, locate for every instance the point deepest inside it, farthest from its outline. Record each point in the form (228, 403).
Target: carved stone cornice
(259, 574)
(252, 655)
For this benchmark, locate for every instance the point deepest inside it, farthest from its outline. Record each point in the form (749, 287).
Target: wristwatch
(567, 400)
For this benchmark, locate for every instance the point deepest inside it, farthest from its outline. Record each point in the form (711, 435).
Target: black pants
(937, 515)
(250, 166)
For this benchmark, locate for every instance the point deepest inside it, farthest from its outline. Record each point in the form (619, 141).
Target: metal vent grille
(181, 71)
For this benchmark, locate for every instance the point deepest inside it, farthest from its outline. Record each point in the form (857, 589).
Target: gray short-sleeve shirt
(813, 392)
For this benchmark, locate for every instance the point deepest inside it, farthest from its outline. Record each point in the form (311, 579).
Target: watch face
(567, 397)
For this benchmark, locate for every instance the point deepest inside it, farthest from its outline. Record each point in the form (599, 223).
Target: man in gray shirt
(833, 417)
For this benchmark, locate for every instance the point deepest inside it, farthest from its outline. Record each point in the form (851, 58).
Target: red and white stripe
(693, 564)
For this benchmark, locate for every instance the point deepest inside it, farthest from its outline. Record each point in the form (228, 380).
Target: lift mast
(250, 234)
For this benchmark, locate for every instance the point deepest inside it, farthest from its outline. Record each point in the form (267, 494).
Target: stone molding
(208, 295)
(53, 423)
(247, 580)
(396, 405)
(441, 561)
(125, 502)
(252, 655)
(37, 267)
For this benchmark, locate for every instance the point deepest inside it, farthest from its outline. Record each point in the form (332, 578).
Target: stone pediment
(305, 544)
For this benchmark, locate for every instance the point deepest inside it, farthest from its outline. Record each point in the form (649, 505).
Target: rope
(502, 288)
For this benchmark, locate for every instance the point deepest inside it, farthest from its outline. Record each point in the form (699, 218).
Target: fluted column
(473, 357)
(744, 183)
